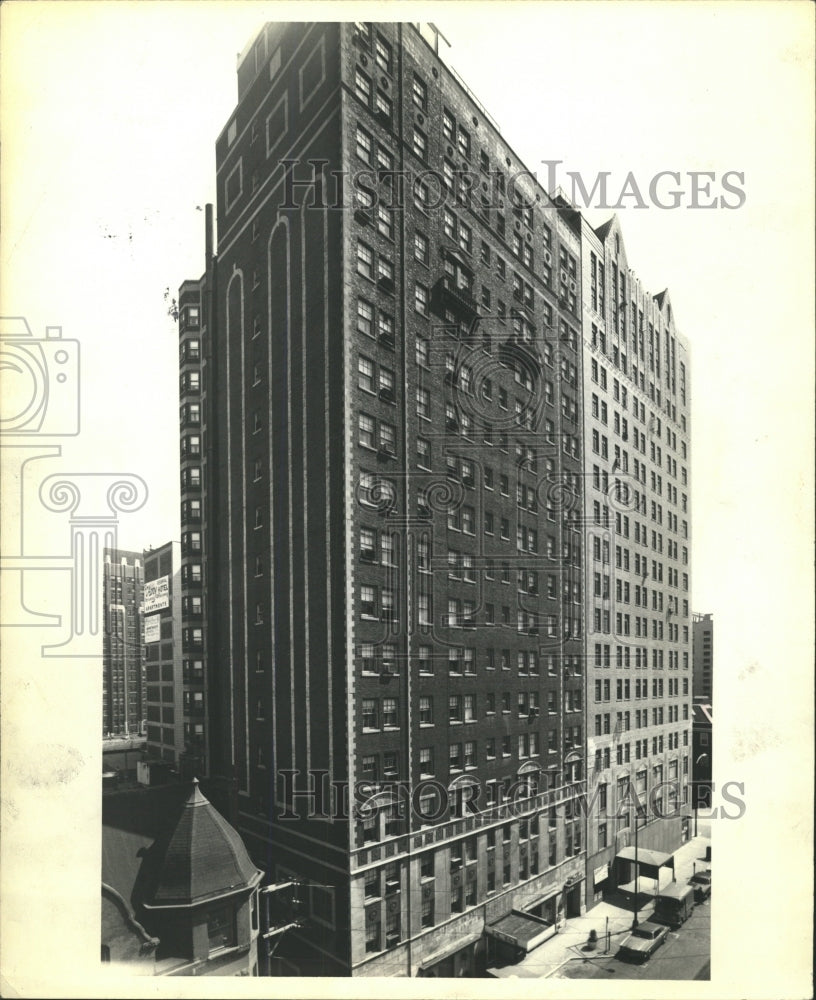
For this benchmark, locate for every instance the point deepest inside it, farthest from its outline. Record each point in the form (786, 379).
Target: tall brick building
(391, 461)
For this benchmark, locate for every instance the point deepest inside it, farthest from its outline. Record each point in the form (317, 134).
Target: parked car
(701, 882)
(644, 941)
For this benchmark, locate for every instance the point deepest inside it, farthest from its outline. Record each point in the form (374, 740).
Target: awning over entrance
(442, 953)
(649, 862)
(520, 929)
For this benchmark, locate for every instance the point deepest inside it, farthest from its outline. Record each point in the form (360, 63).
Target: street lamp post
(696, 785)
(637, 868)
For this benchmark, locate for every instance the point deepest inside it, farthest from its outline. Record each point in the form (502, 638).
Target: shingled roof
(204, 858)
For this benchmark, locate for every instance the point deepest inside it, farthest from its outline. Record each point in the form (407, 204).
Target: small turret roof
(204, 857)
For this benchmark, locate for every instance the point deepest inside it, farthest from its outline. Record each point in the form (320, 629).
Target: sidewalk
(568, 943)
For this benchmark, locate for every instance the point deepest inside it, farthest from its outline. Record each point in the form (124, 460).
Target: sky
(110, 113)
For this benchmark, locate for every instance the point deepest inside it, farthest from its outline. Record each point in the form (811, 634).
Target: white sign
(152, 627)
(601, 873)
(157, 594)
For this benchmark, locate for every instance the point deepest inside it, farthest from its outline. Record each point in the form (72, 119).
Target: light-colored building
(637, 562)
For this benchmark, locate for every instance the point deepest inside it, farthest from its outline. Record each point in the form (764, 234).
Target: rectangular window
(419, 93)
(362, 86)
(420, 143)
(421, 299)
(421, 250)
(365, 260)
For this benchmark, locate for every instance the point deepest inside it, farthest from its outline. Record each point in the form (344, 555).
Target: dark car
(644, 940)
(701, 881)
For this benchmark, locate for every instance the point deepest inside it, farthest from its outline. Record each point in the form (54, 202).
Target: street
(685, 955)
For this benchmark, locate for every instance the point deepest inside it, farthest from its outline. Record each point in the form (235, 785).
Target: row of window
(378, 603)
(462, 660)
(603, 657)
(463, 708)
(623, 688)
(603, 720)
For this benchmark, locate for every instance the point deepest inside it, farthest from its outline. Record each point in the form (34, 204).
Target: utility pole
(637, 862)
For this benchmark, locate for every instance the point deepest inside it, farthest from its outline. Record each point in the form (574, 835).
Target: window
(425, 710)
(420, 143)
(389, 712)
(366, 424)
(421, 195)
(424, 404)
(365, 377)
(368, 601)
(385, 222)
(386, 384)
(372, 930)
(419, 93)
(221, 928)
(364, 144)
(387, 438)
(421, 299)
(385, 273)
(369, 713)
(421, 247)
(362, 86)
(365, 317)
(365, 260)
(382, 54)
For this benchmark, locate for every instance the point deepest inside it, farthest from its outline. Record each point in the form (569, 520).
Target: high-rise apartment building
(385, 461)
(195, 728)
(123, 681)
(703, 656)
(636, 477)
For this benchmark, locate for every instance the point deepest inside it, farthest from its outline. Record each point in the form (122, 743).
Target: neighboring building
(702, 733)
(389, 412)
(179, 892)
(163, 660)
(120, 760)
(401, 502)
(637, 459)
(703, 656)
(123, 682)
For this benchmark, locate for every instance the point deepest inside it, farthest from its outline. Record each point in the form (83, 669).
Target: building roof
(204, 857)
(603, 230)
(169, 845)
(132, 821)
